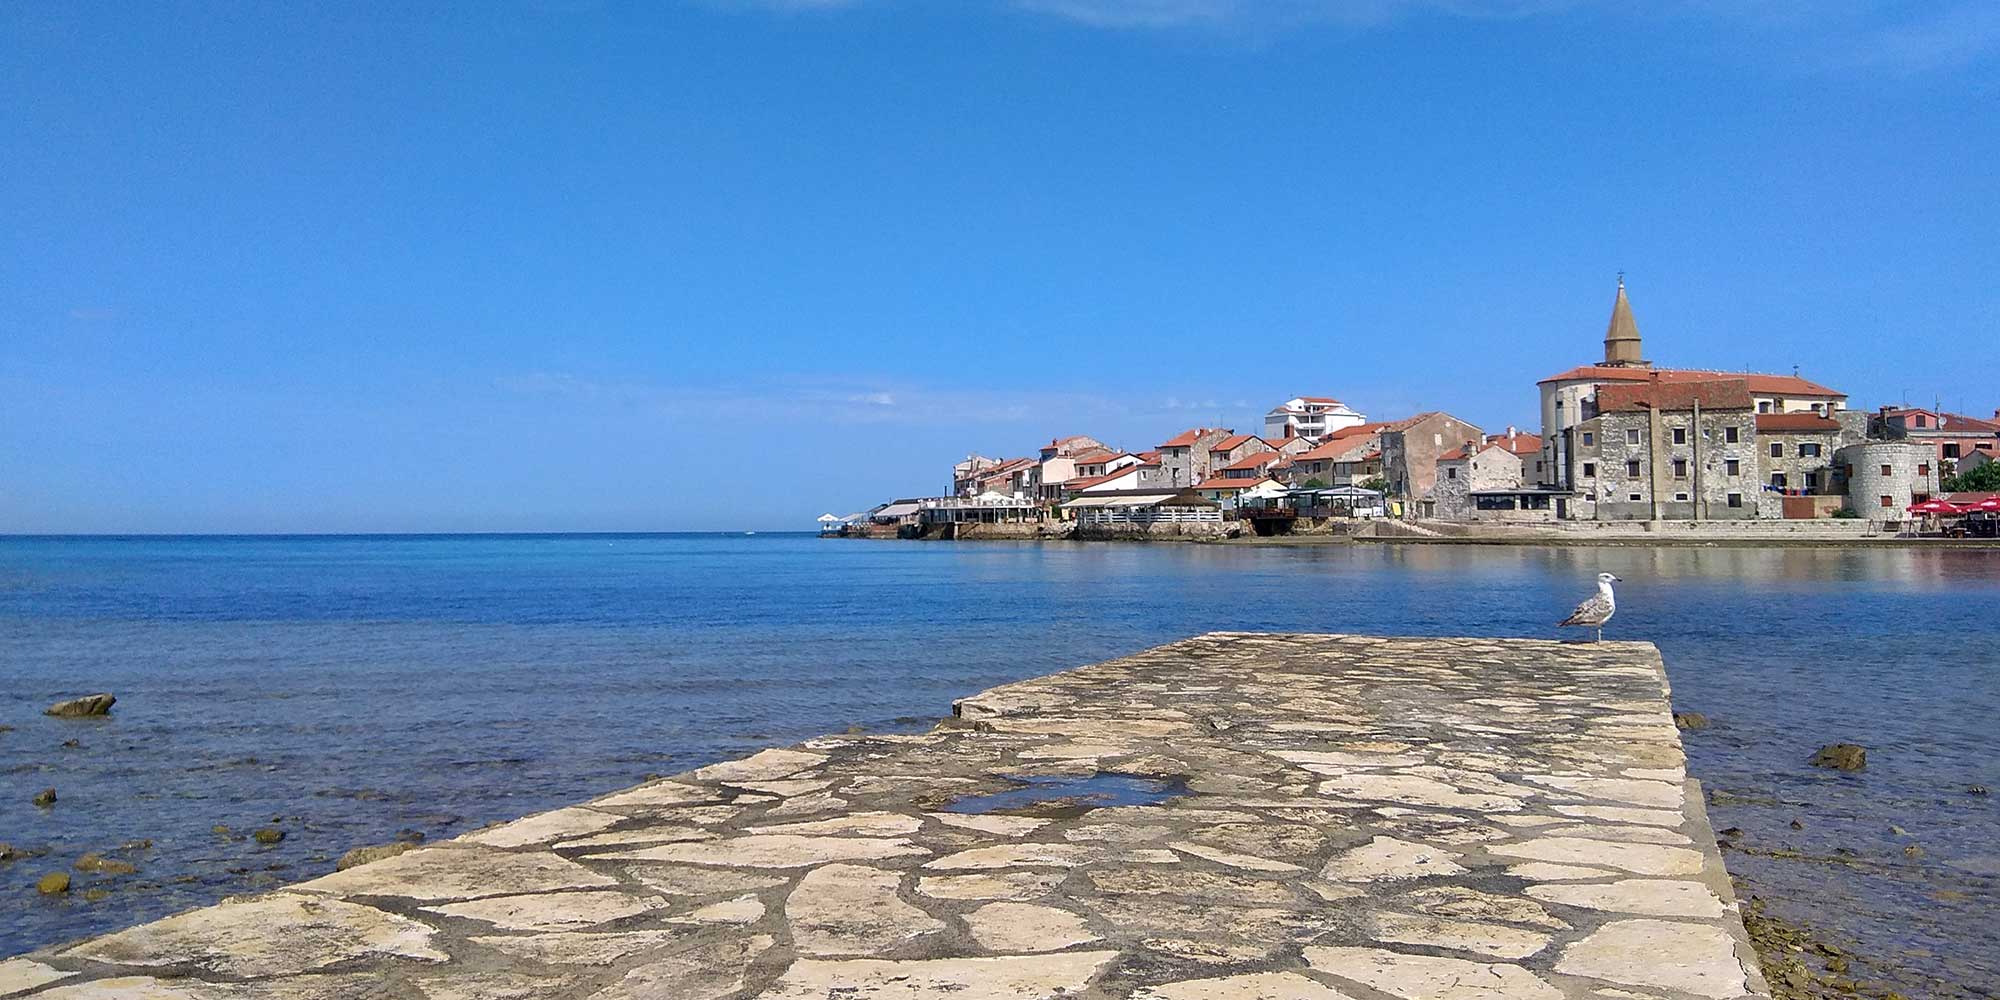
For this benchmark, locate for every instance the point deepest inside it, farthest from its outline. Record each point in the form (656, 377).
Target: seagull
(1595, 611)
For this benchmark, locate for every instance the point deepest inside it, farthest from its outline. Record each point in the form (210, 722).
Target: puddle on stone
(1094, 791)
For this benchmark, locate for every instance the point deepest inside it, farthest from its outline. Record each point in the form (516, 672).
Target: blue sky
(567, 265)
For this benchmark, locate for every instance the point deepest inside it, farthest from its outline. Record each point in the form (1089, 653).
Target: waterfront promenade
(1303, 816)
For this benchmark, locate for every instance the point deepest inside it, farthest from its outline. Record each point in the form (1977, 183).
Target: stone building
(1233, 449)
(1410, 450)
(1493, 481)
(1795, 460)
(1882, 477)
(1344, 460)
(1185, 460)
(1670, 450)
(1569, 398)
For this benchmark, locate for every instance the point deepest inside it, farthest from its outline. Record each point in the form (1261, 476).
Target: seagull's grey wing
(1594, 611)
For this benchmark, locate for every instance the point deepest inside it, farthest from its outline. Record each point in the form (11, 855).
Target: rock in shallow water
(45, 798)
(363, 855)
(1841, 757)
(77, 708)
(269, 835)
(1690, 720)
(52, 883)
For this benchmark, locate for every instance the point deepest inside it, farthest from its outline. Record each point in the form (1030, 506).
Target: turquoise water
(352, 688)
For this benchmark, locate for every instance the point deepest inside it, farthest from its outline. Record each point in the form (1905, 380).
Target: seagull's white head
(1606, 579)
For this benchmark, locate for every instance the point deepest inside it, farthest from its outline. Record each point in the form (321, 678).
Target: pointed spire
(1621, 338)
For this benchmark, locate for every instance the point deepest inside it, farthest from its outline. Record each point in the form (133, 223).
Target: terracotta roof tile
(1256, 461)
(1713, 394)
(1780, 385)
(1232, 442)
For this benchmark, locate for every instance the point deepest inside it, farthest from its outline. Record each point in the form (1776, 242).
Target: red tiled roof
(1319, 399)
(1338, 450)
(1713, 394)
(1458, 454)
(1769, 423)
(1232, 441)
(1519, 444)
(1256, 461)
(1097, 457)
(1778, 385)
(1149, 457)
(1190, 437)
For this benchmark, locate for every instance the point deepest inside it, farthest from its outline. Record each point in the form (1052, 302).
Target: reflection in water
(361, 686)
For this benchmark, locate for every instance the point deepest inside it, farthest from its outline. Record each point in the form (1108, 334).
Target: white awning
(897, 510)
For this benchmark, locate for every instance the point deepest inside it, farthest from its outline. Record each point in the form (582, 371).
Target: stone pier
(1263, 817)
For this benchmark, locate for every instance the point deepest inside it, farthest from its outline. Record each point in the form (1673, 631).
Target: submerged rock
(268, 835)
(1690, 720)
(52, 883)
(1841, 756)
(45, 798)
(77, 708)
(95, 862)
(363, 855)
(96, 894)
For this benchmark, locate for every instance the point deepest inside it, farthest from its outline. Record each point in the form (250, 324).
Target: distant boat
(749, 532)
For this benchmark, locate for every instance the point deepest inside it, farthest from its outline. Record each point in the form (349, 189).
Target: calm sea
(348, 688)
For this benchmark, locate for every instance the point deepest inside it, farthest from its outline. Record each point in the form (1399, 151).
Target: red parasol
(1990, 504)
(1937, 507)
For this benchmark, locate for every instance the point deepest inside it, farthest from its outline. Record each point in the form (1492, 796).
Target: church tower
(1621, 338)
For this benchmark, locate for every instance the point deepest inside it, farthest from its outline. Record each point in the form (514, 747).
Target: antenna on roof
(1795, 371)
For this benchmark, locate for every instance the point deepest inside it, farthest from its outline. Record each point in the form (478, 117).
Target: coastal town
(1623, 445)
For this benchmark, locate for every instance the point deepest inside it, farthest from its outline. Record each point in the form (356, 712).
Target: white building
(1309, 417)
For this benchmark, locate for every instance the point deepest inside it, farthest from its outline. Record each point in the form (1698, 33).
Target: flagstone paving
(1348, 818)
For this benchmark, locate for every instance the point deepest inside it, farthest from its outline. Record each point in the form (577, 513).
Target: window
(1680, 468)
(1777, 450)
(1951, 450)
(1819, 408)
(1729, 434)
(1589, 470)
(1735, 499)
(1812, 482)
(1680, 435)
(1632, 469)
(1632, 435)
(1923, 468)
(1809, 451)
(1920, 420)
(1764, 406)
(1886, 472)
(1732, 467)
(1888, 501)
(1778, 480)
(1634, 497)
(1680, 498)
(1589, 439)
(1451, 473)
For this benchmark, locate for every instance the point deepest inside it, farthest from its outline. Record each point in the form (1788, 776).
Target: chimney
(1512, 433)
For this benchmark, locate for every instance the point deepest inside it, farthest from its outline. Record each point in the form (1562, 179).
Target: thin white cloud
(1813, 35)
